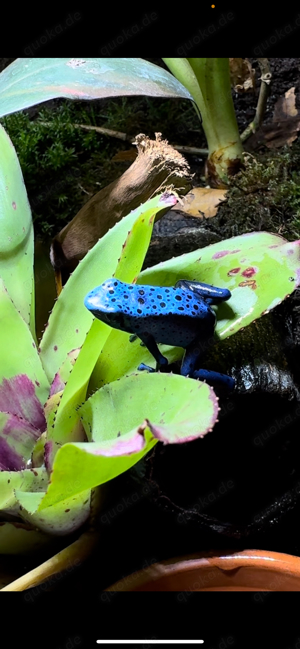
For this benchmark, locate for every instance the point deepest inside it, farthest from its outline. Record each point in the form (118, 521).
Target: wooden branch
(193, 150)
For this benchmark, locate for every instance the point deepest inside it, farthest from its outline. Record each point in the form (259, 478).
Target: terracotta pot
(250, 570)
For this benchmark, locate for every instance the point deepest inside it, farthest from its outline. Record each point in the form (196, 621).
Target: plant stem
(66, 560)
(208, 81)
(264, 92)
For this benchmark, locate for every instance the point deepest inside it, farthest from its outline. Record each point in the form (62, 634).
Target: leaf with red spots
(260, 269)
(267, 266)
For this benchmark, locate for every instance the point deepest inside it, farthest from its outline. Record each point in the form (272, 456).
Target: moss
(265, 195)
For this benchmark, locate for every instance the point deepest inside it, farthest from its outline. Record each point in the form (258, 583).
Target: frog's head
(106, 302)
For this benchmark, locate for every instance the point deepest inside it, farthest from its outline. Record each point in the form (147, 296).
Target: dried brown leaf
(285, 106)
(242, 75)
(202, 202)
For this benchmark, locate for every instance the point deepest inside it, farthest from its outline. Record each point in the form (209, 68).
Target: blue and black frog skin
(181, 316)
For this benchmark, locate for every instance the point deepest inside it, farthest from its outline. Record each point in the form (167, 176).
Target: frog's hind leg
(214, 378)
(161, 361)
(193, 354)
(211, 294)
(191, 358)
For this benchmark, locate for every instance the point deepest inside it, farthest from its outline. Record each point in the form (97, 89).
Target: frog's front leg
(161, 361)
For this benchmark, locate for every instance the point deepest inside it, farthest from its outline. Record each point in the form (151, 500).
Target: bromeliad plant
(57, 445)
(67, 425)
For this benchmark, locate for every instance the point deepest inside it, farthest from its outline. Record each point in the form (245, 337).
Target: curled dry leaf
(242, 75)
(202, 202)
(284, 127)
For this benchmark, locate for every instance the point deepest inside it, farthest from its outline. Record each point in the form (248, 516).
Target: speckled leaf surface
(34, 480)
(127, 254)
(260, 269)
(30, 81)
(16, 240)
(124, 420)
(62, 518)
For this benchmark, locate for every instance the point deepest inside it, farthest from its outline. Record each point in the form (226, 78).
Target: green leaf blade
(18, 352)
(27, 82)
(16, 242)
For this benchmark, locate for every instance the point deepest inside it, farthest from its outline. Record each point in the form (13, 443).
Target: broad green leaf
(18, 352)
(70, 321)
(129, 259)
(184, 72)
(124, 420)
(18, 538)
(62, 518)
(16, 241)
(30, 81)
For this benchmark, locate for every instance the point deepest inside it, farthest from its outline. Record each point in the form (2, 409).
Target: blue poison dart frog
(181, 316)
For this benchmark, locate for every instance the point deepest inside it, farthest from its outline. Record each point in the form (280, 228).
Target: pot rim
(283, 564)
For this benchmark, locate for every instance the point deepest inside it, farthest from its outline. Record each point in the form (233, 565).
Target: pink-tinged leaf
(57, 384)
(10, 460)
(17, 440)
(117, 422)
(18, 397)
(134, 442)
(61, 377)
(49, 454)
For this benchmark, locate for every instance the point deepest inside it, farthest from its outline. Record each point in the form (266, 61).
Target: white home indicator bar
(150, 642)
